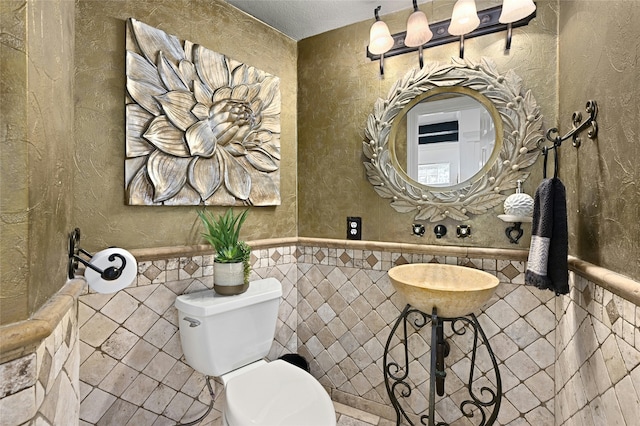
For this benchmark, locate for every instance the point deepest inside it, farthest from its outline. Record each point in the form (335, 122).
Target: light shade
(380, 40)
(515, 10)
(464, 18)
(418, 31)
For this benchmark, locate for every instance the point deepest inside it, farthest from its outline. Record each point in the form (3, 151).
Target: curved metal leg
(435, 324)
(391, 369)
(396, 374)
(495, 397)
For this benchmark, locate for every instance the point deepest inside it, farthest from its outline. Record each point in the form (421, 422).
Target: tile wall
(132, 370)
(338, 316)
(42, 387)
(347, 304)
(598, 349)
(117, 360)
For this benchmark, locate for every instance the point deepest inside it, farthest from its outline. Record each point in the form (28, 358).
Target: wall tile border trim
(435, 250)
(618, 284)
(457, 251)
(21, 338)
(150, 254)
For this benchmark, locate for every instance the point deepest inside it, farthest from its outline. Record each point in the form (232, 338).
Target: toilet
(228, 337)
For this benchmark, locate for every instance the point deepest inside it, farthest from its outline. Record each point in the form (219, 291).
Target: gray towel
(547, 266)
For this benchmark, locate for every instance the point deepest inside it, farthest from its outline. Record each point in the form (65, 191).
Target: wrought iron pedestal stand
(396, 375)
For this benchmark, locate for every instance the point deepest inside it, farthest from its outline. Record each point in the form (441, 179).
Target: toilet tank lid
(208, 302)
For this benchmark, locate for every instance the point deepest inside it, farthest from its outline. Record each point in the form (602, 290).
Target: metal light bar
(489, 24)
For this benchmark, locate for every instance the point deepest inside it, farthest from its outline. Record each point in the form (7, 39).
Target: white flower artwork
(201, 128)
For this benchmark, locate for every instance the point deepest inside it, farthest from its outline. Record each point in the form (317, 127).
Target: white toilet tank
(222, 333)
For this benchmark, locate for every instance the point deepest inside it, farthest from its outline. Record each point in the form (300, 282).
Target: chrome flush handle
(192, 322)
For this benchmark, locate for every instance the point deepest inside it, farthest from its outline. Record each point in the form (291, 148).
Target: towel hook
(578, 126)
(545, 154)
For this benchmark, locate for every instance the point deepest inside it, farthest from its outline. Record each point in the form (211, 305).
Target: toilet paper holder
(111, 273)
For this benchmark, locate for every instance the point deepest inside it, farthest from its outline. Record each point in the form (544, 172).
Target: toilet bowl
(228, 337)
(277, 393)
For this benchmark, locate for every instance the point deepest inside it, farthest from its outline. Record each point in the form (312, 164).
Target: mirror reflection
(448, 139)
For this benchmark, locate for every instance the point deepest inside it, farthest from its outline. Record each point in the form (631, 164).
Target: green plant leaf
(223, 233)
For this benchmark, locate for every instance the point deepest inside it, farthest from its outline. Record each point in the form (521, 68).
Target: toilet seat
(277, 394)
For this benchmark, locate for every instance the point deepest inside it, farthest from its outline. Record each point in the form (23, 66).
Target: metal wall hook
(111, 273)
(578, 126)
(545, 154)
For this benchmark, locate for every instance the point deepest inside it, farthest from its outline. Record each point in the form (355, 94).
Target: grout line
(356, 413)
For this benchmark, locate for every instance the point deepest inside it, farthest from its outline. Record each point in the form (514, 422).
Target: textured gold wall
(63, 133)
(37, 124)
(338, 86)
(14, 227)
(599, 58)
(99, 208)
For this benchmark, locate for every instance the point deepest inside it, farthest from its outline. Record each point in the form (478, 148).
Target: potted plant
(231, 266)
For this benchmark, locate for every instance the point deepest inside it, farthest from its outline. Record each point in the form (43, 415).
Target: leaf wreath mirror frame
(201, 128)
(521, 124)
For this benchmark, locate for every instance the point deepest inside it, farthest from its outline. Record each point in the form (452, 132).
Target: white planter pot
(228, 278)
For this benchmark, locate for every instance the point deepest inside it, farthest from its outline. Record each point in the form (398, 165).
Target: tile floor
(345, 415)
(348, 416)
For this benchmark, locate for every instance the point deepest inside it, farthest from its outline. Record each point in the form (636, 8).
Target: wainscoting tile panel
(348, 328)
(598, 366)
(42, 388)
(337, 311)
(132, 368)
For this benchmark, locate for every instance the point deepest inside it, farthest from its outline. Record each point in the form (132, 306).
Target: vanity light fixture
(513, 11)
(463, 20)
(466, 22)
(418, 31)
(380, 40)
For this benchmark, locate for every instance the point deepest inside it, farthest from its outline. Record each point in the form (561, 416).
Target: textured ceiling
(300, 19)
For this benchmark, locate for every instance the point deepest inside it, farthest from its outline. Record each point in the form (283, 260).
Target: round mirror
(446, 137)
(432, 189)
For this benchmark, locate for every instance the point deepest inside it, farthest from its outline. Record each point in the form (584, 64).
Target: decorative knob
(440, 231)
(463, 231)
